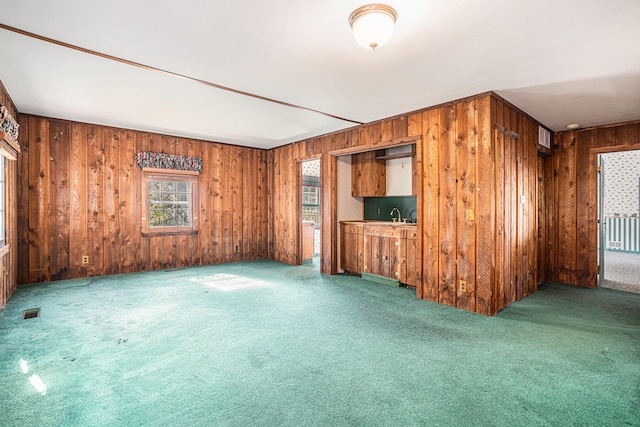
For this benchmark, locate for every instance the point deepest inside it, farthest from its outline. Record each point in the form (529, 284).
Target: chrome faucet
(399, 214)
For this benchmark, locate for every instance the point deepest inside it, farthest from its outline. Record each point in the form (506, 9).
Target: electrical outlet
(236, 247)
(85, 259)
(463, 286)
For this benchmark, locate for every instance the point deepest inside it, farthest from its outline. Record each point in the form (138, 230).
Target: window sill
(161, 233)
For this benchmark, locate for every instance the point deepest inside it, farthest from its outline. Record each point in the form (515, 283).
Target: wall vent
(31, 313)
(544, 137)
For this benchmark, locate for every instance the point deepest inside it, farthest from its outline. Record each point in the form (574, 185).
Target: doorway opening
(619, 219)
(311, 219)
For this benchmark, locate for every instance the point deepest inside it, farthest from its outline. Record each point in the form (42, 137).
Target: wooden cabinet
(308, 231)
(351, 243)
(382, 250)
(368, 174)
(410, 273)
(388, 250)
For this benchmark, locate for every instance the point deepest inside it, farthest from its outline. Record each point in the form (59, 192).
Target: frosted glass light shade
(373, 24)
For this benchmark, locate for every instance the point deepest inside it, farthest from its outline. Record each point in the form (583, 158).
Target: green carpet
(262, 343)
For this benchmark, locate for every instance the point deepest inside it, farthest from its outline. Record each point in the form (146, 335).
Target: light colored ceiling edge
(170, 73)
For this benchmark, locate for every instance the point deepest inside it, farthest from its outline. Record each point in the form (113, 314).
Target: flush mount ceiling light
(373, 24)
(573, 126)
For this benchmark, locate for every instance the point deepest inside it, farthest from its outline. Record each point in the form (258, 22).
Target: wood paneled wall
(573, 257)
(284, 201)
(450, 153)
(80, 195)
(476, 177)
(517, 208)
(470, 183)
(479, 159)
(8, 254)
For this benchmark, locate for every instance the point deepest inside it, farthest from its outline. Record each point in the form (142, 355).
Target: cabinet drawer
(382, 231)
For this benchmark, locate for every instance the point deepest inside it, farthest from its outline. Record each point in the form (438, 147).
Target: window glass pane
(311, 213)
(184, 217)
(155, 218)
(170, 218)
(155, 196)
(170, 203)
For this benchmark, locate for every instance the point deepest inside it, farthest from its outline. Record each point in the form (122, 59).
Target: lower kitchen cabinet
(351, 245)
(412, 271)
(388, 250)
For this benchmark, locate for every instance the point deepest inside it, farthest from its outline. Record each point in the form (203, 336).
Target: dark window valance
(146, 159)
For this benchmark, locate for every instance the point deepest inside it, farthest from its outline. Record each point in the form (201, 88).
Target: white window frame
(168, 175)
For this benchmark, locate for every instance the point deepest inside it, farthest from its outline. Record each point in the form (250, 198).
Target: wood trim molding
(397, 142)
(614, 149)
(507, 132)
(170, 171)
(8, 147)
(169, 233)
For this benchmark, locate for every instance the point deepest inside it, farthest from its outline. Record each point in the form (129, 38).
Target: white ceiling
(561, 61)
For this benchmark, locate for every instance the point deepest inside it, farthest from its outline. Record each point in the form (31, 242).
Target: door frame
(594, 227)
(299, 206)
(602, 223)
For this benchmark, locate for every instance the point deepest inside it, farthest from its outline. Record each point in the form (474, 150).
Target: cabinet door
(402, 260)
(413, 275)
(377, 265)
(351, 248)
(368, 175)
(344, 247)
(367, 258)
(387, 246)
(358, 244)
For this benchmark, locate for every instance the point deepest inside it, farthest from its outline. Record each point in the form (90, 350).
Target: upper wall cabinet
(368, 174)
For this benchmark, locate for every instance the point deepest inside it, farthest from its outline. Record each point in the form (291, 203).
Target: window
(311, 198)
(170, 202)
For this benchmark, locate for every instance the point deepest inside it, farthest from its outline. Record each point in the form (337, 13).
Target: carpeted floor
(262, 343)
(622, 271)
